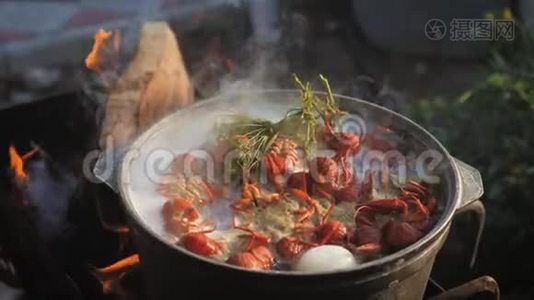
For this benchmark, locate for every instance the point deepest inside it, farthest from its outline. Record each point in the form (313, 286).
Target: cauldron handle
(481, 285)
(472, 191)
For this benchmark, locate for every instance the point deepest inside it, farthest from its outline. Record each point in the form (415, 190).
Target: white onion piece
(326, 258)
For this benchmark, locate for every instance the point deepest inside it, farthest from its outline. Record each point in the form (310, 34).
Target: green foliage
(312, 109)
(491, 127)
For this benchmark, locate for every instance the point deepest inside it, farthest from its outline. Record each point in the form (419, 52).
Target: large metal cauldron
(172, 273)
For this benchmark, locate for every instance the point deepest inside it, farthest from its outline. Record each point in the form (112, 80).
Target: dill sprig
(308, 113)
(330, 103)
(253, 137)
(312, 109)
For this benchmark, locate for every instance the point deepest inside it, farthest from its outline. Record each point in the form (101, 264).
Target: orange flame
(16, 162)
(95, 60)
(108, 276)
(120, 266)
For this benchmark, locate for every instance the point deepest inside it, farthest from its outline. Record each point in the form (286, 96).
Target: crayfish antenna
(328, 212)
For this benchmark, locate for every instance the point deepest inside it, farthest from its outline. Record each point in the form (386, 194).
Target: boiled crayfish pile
(288, 201)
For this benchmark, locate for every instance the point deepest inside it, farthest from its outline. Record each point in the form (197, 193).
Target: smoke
(259, 76)
(262, 63)
(259, 64)
(49, 194)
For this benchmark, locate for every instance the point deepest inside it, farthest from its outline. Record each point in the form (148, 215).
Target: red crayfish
(179, 215)
(344, 144)
(256, 255)
(251, 193)
(290, 247)
(199, 243)
(279, 160)
(399, 231)
(321, 181)
(257, 258)
(328, 232)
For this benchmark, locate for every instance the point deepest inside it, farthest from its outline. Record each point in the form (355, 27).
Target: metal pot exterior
(169, 274)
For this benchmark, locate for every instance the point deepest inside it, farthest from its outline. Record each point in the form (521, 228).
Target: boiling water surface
(181, 132)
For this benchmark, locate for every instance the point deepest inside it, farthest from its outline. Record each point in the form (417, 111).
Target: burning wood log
(154, 84)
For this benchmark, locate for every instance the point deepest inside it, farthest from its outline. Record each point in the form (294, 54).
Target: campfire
(139, 91)
(102, 256)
